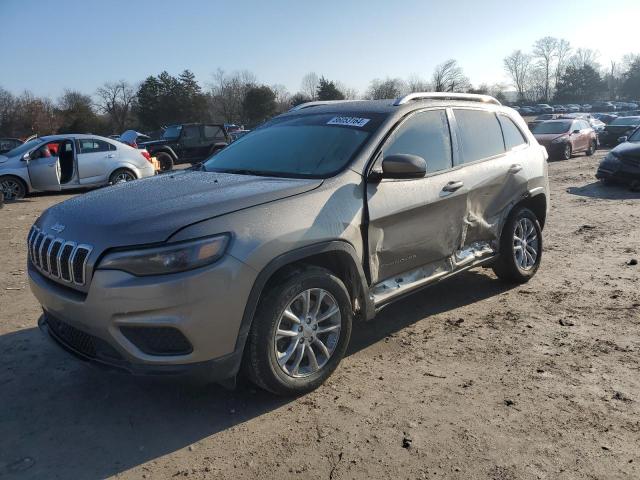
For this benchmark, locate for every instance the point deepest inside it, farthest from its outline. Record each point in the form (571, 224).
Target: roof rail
(470, 97)
(317, 104)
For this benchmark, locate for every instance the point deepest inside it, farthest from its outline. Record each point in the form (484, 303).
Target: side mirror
(26, 157)
(575, 131)
(622, 139)
(404, 166)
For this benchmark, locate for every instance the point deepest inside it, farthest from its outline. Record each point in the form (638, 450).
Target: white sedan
(60, 162)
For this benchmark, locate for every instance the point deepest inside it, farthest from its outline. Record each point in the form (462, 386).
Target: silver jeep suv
(260, 259)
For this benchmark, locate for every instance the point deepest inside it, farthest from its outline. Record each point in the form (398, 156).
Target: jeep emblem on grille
(58, 227)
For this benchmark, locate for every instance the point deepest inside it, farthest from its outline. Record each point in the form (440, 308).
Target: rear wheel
(121, 175)
(13, 188)
(520, 247)
(592, 148)
(300, 333)
(165, 161)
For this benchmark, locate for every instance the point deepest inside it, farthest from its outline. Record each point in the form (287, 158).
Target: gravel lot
(471, 379)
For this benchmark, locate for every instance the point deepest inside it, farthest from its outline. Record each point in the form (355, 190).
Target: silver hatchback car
(60, 162)
(260, 259)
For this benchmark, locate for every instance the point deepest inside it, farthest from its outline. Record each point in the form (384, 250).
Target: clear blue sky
(49, 45)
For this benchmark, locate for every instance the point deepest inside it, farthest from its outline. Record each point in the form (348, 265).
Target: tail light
(146, 155)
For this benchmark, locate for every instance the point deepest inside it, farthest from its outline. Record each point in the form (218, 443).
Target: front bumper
(205, 305)
(619, 171)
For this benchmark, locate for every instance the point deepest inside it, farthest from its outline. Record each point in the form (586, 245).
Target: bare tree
(563, 50)
(583, 57)
(283, 97)
(388, 88)
(309, 85)
(348, 92)
(449, 77)
(115, 99)
(518, 67)
(544, 51)
(227, 93)
(416, 84)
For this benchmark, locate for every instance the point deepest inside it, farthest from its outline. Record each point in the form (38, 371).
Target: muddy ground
(471, 379)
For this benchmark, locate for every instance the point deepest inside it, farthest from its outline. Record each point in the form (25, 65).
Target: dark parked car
(544, 108)
(620, 127)
(187, 143)
(562, 138)
(7, 144)
(606, 118)
(603, 107)
(622, 164)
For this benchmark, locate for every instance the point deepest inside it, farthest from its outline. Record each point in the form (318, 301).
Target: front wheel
(520, 247)
(566, 152)
(12, 188)
(300, 332)
(592, 148)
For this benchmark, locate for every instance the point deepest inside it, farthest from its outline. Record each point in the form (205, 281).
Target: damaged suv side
(261, 258)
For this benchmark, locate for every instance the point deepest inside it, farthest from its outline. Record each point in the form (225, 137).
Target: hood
(627, 149)
(152, 209)
(546, 138)
(3, 158)
(619, 129)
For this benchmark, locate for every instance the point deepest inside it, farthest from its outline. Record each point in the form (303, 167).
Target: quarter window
(479, 133)
(512, 135)
(211, 131)
(425, 134)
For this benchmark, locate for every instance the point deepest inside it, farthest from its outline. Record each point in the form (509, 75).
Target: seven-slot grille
(58, 258)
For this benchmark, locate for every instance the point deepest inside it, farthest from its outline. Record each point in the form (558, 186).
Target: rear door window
(211, 132)
(425, 134)
(93, 145)
(513, 137)
(479, 133)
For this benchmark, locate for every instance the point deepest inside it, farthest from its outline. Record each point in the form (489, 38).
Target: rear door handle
(515, 168)
(452, 186)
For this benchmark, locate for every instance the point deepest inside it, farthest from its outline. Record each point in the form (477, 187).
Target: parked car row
(542, 108)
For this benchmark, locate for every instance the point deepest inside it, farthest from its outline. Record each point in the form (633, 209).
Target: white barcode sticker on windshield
(348, 121)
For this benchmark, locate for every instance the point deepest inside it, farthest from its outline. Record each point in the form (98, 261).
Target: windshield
(172, 132)
(24, 148)
(626, 121)
(552, 127)
(635, 137)
(311, 146)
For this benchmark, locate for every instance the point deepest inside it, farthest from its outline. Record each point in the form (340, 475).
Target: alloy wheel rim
(11, 189)
(307, 333)
(123, 177)
(567, 152)
(525, 244)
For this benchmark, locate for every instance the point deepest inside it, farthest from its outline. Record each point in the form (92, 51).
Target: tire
(566, 152)
(12, 187)
(282, 364)
(165, 160)
(593, 146)
(122, 175)
(511, 266)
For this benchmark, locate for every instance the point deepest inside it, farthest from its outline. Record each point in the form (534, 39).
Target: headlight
(172, 258)
(611, 156)
(562, 139)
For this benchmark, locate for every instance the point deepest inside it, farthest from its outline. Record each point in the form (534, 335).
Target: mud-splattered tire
(291, 349)
(520, 247)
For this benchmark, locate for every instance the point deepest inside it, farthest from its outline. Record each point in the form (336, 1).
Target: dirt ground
(471, 379)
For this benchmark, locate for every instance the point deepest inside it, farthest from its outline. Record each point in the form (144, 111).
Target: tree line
(552, 70)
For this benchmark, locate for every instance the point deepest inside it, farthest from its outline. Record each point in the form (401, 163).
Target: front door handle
(111, 155)
(515, 168)
(452, 186)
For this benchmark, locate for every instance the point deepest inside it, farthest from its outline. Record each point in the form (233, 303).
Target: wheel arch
(129, 168)
(537, 203)
(167, 150)
(337, 256)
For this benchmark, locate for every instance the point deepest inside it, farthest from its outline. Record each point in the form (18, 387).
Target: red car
(564, 137)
